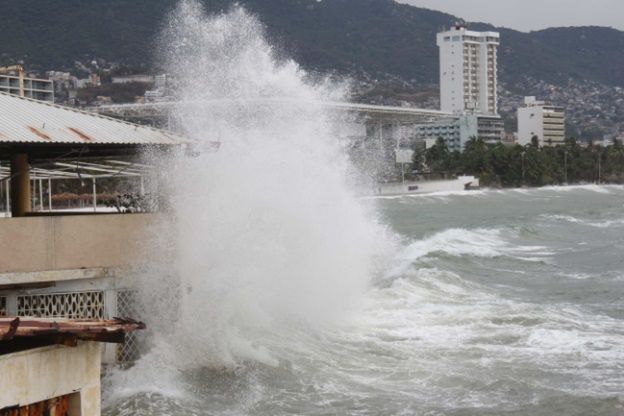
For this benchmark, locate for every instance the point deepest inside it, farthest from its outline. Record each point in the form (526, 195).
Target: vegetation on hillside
(381, 38)
(119, 93)
(530, 165)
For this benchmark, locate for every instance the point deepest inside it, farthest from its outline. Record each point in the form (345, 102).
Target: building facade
(457, 131)
(65, 276)
(38, 89)
(541, 120)
(468, 70)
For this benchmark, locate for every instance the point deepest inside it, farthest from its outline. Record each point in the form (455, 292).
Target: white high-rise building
(468, 74)
(541, 120)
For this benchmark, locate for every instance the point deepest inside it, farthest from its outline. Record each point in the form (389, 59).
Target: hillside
(377, 37)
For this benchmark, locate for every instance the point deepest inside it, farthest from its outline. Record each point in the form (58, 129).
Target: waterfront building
(468, 70)
(66, 265)
(490, 128)
(456, 131)
(541, 120)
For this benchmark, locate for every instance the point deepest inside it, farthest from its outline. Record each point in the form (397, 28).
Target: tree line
(530, 165)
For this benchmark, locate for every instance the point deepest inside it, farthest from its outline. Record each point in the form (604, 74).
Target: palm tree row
(530, 165)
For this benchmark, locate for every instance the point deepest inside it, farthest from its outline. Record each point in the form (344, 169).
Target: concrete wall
(71, 242)
(40, 374)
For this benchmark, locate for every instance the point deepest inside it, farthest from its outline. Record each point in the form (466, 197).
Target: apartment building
(541, 120)
(35, 88)
(468, 70)
(457, 131)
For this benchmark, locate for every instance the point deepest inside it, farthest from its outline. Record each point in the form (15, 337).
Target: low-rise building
(58, 266)
(35, 88)
(541, 120)
(456, 131)
(126, 79)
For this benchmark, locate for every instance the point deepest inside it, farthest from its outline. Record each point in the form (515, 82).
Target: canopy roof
(78, 169)
(24, 121)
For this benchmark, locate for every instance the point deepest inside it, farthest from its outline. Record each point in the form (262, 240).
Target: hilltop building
(127, 79)
(541, 120)
(468, 74)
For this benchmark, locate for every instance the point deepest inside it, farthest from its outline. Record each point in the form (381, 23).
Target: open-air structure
(57, 266)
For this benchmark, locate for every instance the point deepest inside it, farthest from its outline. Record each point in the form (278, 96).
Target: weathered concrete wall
(40, 374)
(71, 242)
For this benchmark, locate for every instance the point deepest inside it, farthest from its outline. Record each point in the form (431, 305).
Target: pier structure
(62, 264)
(380, 134)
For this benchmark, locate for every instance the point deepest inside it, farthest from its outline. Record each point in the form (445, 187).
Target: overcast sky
(529, 15)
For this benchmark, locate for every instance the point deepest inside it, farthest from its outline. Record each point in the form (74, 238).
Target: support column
(94, 196)
(49, 194)
(33, 195)
(7, 192)
(20, 185)
(40, 195)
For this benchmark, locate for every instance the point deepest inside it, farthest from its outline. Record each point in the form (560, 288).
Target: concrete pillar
(40, 195)
(49, 194)
(7, 192)
(94, 196)
(20, 185)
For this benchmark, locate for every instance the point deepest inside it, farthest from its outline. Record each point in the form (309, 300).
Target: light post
(565, 166)
(523, 174)
(403, 172)
(599, 166)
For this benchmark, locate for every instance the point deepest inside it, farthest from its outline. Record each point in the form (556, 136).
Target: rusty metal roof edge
(11, 327)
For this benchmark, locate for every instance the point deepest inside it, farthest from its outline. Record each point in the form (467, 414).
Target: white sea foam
(462, 242)
(588, 222)
(456, 324)
(438, 194)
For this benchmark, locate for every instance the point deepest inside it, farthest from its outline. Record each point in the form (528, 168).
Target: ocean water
(492, 302)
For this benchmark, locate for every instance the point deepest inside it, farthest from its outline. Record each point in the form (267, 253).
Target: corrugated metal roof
(23, 120)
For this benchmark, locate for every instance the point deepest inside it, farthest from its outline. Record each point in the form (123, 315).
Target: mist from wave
(266, 242)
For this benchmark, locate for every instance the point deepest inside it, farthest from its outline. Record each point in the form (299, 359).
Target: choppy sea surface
(495, 302)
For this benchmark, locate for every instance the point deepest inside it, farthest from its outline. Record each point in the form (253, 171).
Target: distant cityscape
(469, 91)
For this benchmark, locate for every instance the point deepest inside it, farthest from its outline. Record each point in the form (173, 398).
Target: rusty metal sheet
(68, 330)
(83, 136)
(58, 406)
(39, 133)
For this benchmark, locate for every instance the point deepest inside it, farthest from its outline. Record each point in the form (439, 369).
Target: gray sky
(529, 15)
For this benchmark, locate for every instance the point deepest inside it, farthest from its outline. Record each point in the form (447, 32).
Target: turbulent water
(497, 302)
(276, 288)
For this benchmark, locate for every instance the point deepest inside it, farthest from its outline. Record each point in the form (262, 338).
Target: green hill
(378, 37)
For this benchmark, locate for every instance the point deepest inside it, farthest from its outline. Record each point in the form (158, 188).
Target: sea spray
(266, 238)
